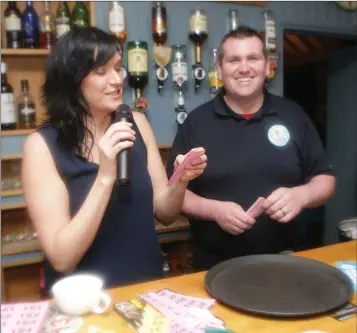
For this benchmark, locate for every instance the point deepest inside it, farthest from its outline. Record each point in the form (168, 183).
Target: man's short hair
(242, 32)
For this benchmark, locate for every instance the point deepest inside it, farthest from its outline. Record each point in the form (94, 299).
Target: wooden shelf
(181, 223)
(25, 52)
(21, 259)
(16, 132)
(20, 247)
(11, 157)
(10, 193)
(164, 146)
(13, 206)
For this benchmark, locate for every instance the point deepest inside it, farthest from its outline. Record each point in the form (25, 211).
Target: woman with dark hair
(85, 222)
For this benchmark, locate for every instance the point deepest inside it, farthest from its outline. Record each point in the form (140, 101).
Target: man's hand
(195, 168)
(284, 204)
(232, 218)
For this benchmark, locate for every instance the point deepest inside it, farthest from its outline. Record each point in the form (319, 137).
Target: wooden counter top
(192, 285)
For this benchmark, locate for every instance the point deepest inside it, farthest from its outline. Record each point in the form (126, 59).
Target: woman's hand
(118, 136)
(195, 168)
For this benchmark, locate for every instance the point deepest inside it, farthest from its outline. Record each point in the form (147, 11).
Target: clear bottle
(117, 24)
(26, 107)
(47, 31)
(179, 67)
(179, 78)
(232, 20)
(8, 110)
(214, 82)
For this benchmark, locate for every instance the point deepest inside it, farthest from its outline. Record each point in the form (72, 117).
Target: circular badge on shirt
(278, 135)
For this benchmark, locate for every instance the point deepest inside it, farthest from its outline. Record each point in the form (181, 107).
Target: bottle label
(26, 111)
(61, 29)
(179, 72)
(12, 23)
(8, 111)
(137, 60)
(80, 23)
(270, 34)
(198, 23)
(29, 31)
(214, 81)
(116, 20)
(160, 24)
(46, 24)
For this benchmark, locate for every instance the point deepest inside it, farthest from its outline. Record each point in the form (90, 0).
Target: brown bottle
(159, 23)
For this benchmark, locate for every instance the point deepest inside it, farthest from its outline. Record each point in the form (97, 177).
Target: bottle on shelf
(117, 24)
(13, 26)
(214, 82)
(63, 19)
(232, 20)
(198, 34)
(31, 26)
(47, 31)
(179, 79)
(8, 110)
(80, 15)
(138, 71)
(26, 107)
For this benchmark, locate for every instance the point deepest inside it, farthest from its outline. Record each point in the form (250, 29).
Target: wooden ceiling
(304, 49)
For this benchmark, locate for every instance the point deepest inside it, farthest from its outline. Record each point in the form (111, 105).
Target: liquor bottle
(80, 15)
(232, 20)
(63, 19)
(47, 33)
(138, 71)
(270, 42)
(13, 26)
(117, 22)
(179, 79)
(31, 26)
(214, 82)
(26, 107)
(159, 23)
(8, 110)
(198, 34)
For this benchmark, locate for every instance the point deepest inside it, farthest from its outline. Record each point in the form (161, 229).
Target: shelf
(11, 157)
(16, 132)
(164, 146)
(25, 52)
(13, 206)
(181, 223)
(21, 259)
(20, 247)
(10, 193)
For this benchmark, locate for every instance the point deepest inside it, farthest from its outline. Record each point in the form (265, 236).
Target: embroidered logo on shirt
(278, 135)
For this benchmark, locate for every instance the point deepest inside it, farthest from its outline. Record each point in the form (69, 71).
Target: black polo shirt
(278, 146)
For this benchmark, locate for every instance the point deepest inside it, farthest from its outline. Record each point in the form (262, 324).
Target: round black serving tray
(278, 285)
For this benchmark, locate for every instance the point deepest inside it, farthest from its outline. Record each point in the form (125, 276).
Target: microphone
(123, 113)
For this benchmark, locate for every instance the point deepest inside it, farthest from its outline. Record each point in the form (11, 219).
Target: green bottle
(80, 15)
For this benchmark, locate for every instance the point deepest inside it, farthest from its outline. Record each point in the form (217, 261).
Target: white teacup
(79, 294)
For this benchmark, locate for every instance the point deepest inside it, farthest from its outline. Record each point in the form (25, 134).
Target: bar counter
(193, 285)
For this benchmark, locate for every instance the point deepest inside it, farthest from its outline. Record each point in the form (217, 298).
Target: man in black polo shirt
(258, 145)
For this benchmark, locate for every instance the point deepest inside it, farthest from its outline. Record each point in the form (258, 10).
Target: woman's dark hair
(75, 55)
